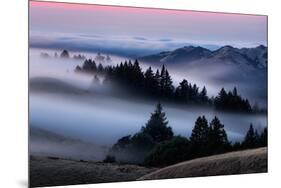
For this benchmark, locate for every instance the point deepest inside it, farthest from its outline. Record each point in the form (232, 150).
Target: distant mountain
(256, 57)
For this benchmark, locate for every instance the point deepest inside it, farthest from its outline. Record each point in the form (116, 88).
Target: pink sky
(204, 27)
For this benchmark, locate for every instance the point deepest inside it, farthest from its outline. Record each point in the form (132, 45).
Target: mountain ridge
(256, 56)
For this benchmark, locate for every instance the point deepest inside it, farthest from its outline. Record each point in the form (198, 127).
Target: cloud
(90, 35)
(139, 38)
(130, 46)
(66, 38)
(165, 40)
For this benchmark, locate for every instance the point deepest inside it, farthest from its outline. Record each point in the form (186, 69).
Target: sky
(87, 27)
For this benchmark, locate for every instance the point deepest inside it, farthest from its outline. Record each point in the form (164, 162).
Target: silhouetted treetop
(157, 127)
(218, 140)
(156, 145)
(64, 54)
(159, 85)
(200, 131)
(231, 101)
(251, 138)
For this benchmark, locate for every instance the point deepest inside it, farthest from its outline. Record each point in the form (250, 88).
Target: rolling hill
(240, 162)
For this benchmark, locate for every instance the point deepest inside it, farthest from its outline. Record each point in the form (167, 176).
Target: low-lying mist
(103, 120)
(250, 81)
(73, 106)
(44, 143)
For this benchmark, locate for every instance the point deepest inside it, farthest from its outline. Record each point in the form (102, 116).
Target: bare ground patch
(53, 171)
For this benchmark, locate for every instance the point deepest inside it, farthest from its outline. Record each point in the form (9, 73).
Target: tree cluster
(79, 57)
(156, 145)
(254, 139)
(159, 84)
(90, 66)
(231, 101)
(155, 131)
(206, 139)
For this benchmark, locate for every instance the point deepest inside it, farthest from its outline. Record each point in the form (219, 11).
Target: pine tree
(232, 101)
(235, 94)
(157, 79)
(220, 100)
(199, 136)
(64, 54)
(137, 76)
(203, 96)
(162, 80)
(218, 141)
(168, 85)
(181, 92)
(100, 68)
(250, 140)
(157, 127)
(263, 138)
(150, 82)
(149, 75)
(89, 66)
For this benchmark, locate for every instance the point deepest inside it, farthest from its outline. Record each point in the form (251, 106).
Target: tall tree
(157, 126)
(203, 96)
(150, 82)
(199, 136)
(220, 99)
(162, 80)
(235, 92)
(250, 140)
(218, 140)
(137, 75)
(168, 85)
(181, 92)
(263, 137)
(157, 79)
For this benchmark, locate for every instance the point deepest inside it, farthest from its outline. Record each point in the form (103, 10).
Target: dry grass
(241, 162)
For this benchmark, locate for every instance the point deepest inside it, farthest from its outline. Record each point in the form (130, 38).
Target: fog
(70, 104)
(131, 46)
(65, 148)
(103, 120)
(250, 81)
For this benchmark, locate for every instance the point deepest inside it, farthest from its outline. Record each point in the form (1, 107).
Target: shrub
(109, 159)
(169, 152)
(142, 141)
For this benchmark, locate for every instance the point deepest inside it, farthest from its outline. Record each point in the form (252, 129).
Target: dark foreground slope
(49, 171)
(46, 171)
(240, 162)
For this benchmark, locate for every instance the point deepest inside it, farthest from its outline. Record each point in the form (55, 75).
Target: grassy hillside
(240, 162)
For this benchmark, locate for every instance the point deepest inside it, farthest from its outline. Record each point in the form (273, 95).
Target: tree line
(156, 145)
(159, 85)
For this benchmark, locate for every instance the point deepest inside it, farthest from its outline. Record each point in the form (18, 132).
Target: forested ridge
(159, 85)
